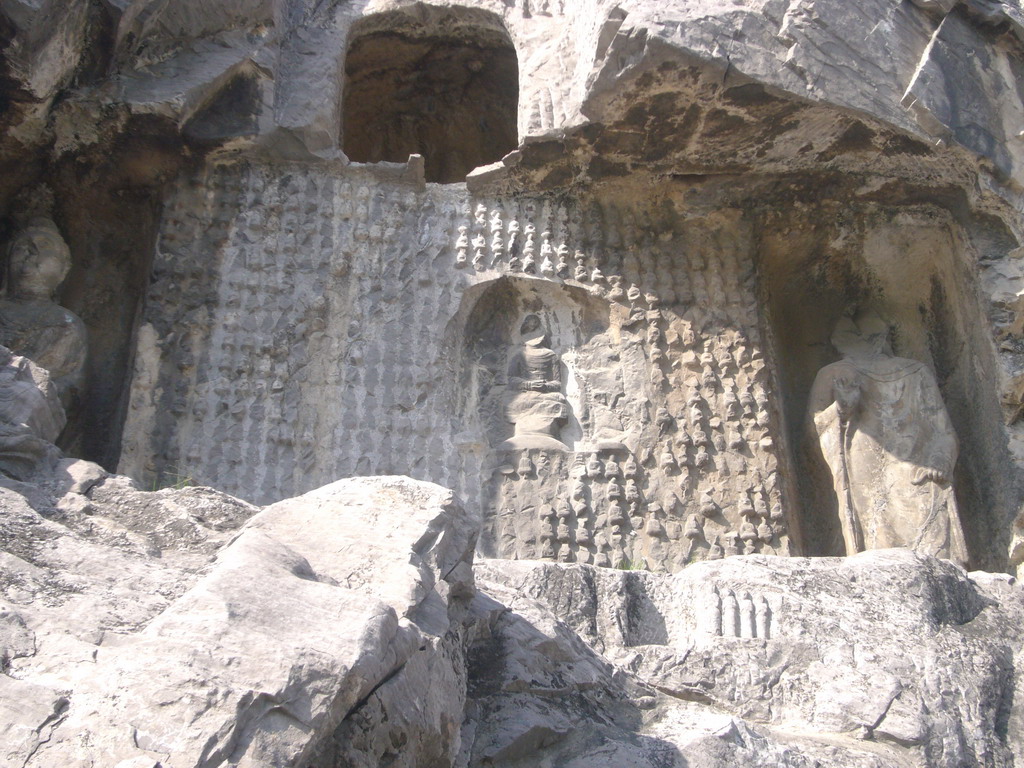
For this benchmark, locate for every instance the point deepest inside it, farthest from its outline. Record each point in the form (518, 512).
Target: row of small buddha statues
(593, 508)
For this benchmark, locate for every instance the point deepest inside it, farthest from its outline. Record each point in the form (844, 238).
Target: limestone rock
(322, 611)
(884, 658)
(78, 476)
(47, 40)
(893, 497)
(343, 628)
(686, 197)
(892, 109)
(677, 248)
(29, 398)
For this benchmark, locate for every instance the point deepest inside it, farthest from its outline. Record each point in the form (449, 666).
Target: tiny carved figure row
(564, 245)
(598, 508)
(737, 612)
(877, 420)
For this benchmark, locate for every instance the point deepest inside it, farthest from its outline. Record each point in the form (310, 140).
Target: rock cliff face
(347, 627)
(684, 302)
(752, 661)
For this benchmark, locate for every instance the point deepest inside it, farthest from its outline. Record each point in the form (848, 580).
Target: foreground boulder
(318, 610)
(348, 628)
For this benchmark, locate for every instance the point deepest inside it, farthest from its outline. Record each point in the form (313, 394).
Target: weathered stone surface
(884, 432)
(28, 397)
(690, 314)
(665, 374)
(341, 629)
(629, 117)
(44, 44)
(31, 325)
(31, 417)
(886, 658)
(690, 196)
(125, 642)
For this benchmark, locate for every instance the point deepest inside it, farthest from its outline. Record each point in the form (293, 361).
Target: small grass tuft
(172, 478)
(625, 564)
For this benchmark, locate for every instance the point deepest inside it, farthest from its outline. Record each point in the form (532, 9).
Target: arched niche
(439, 82)
(495, 334)
(643, 472)
(907, 264)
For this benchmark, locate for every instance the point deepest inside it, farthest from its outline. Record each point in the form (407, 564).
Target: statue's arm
(822, 420)
(555, 384)
(68, 345)
(823, 393)
(820, 396)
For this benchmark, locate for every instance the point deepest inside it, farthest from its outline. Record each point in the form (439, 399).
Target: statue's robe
(51, 337)
(534, 402)
(899, 425)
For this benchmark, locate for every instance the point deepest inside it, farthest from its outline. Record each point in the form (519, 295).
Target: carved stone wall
(837, 130)
(291, 337)
(670, 455)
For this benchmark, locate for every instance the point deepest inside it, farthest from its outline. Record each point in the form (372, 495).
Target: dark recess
(449, 96)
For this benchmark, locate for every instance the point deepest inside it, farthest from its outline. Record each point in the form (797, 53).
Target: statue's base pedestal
(537, 442)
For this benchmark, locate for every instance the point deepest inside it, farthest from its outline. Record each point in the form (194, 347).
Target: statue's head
(38, 261)
(865, 334)
(532, 330)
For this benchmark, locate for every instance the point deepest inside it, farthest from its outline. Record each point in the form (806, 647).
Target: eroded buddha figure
(31, 323)
(884, 433)
(534, 402)
(31, 416)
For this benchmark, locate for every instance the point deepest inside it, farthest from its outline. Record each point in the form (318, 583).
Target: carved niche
(880, 425)
(594, 452)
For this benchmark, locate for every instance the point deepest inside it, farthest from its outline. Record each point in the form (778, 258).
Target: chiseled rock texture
(836, 151)
(129, 640)
(883, 659)
(751, 169)
(347, 627)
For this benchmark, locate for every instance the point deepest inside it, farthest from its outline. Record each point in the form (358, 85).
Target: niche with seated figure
(439, 82)
(523, 343)
(602, 426)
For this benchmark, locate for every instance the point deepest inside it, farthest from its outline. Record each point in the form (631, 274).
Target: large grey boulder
(344, 628)
(319, 610)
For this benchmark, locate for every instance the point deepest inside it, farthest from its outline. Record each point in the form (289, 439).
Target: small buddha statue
(32, 324)
(535, 403)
